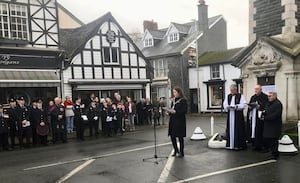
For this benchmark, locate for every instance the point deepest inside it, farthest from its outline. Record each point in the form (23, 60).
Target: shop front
(29, 72)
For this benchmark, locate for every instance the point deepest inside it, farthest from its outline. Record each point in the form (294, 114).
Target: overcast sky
(131, 13)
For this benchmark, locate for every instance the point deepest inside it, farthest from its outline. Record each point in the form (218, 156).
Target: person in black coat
(272, 124)
(108, 110)
(140, 107)
(13, 131)
(4, 130)
(58, 122)
(23, 122)
(33, 119)
(42, 126)
(177, 122)
(149, 107)
(93, 115)
(254, 123)
(78, 120)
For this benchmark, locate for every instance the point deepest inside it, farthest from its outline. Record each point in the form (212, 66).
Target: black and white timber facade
(30, 58)
(101, 58)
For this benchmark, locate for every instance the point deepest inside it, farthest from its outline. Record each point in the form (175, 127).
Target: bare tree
(135, 35)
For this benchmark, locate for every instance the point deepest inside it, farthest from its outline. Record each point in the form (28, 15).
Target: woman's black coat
(177, 122)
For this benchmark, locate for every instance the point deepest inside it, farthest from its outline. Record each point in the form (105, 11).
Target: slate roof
(74, 40)
(157, 34)
(163, 48)
(218, 57)
(288, 43)
(182, 28)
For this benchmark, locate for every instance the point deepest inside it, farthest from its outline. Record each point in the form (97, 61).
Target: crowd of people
(31, 125)
(263, 126)
(34, 123)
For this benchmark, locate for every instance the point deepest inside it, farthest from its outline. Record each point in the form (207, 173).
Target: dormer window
(13, 21)
(148, 42)
(173, 37)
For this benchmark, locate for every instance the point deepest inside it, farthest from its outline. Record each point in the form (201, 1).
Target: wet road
(120, 159)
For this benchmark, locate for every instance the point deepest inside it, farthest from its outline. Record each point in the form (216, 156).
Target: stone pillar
(292, 96)
(289, 16)
(147, 89)
(252, 22)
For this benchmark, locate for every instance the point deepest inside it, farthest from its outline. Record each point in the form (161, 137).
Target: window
(215, 96)
(173, 37)
(160, 68)
(111, 55)
(148, 42)
(4, 23)
(215, 71)
(268, 80)
(13, 21)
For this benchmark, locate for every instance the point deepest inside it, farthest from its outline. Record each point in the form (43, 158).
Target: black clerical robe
(235, 130)
(254, 123)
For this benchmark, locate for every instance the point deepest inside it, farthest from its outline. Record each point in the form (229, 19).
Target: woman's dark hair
(179, 91)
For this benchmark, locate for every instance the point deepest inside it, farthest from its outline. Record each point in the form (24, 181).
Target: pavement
(131, 158)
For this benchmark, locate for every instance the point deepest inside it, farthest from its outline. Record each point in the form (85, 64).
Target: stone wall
(286, 77)
(268, 17)
(298, 16)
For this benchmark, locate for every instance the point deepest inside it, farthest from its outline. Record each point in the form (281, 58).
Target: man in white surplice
(234, 104)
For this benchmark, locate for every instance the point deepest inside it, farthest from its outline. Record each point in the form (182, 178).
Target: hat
(21, 98)
(77, 98)
(34, 100)
(11, 100)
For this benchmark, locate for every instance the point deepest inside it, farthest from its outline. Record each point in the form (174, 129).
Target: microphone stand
(155, 157)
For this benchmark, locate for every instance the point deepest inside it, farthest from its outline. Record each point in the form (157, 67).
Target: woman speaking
(177, 123)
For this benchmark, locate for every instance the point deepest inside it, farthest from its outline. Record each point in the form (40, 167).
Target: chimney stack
(202, 16)
(151, 25)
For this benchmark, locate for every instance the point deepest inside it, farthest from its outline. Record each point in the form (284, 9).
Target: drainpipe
(287, 102)
(181, 72)
(297, 97)
(62, 78)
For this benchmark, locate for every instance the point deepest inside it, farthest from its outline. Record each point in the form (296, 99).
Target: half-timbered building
(101, 58)
(30, 58)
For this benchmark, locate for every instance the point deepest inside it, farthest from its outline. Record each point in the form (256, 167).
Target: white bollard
(298, 133)
(212, 121)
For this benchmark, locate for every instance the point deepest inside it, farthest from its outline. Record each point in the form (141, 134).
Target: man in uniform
(23, 122)
(255, 125)
(93, 116)
(58, 122)
(33, 120)
(12, 121)
(4, 130)
(78, 120)
(41, 119)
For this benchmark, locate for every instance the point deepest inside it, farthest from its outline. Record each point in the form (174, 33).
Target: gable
(172, 29)
(107, 53)
(147, 35)
(262, 59)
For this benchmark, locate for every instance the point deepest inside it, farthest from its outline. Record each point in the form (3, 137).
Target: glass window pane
(106, 55)
(114, 55)
(216, 95)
